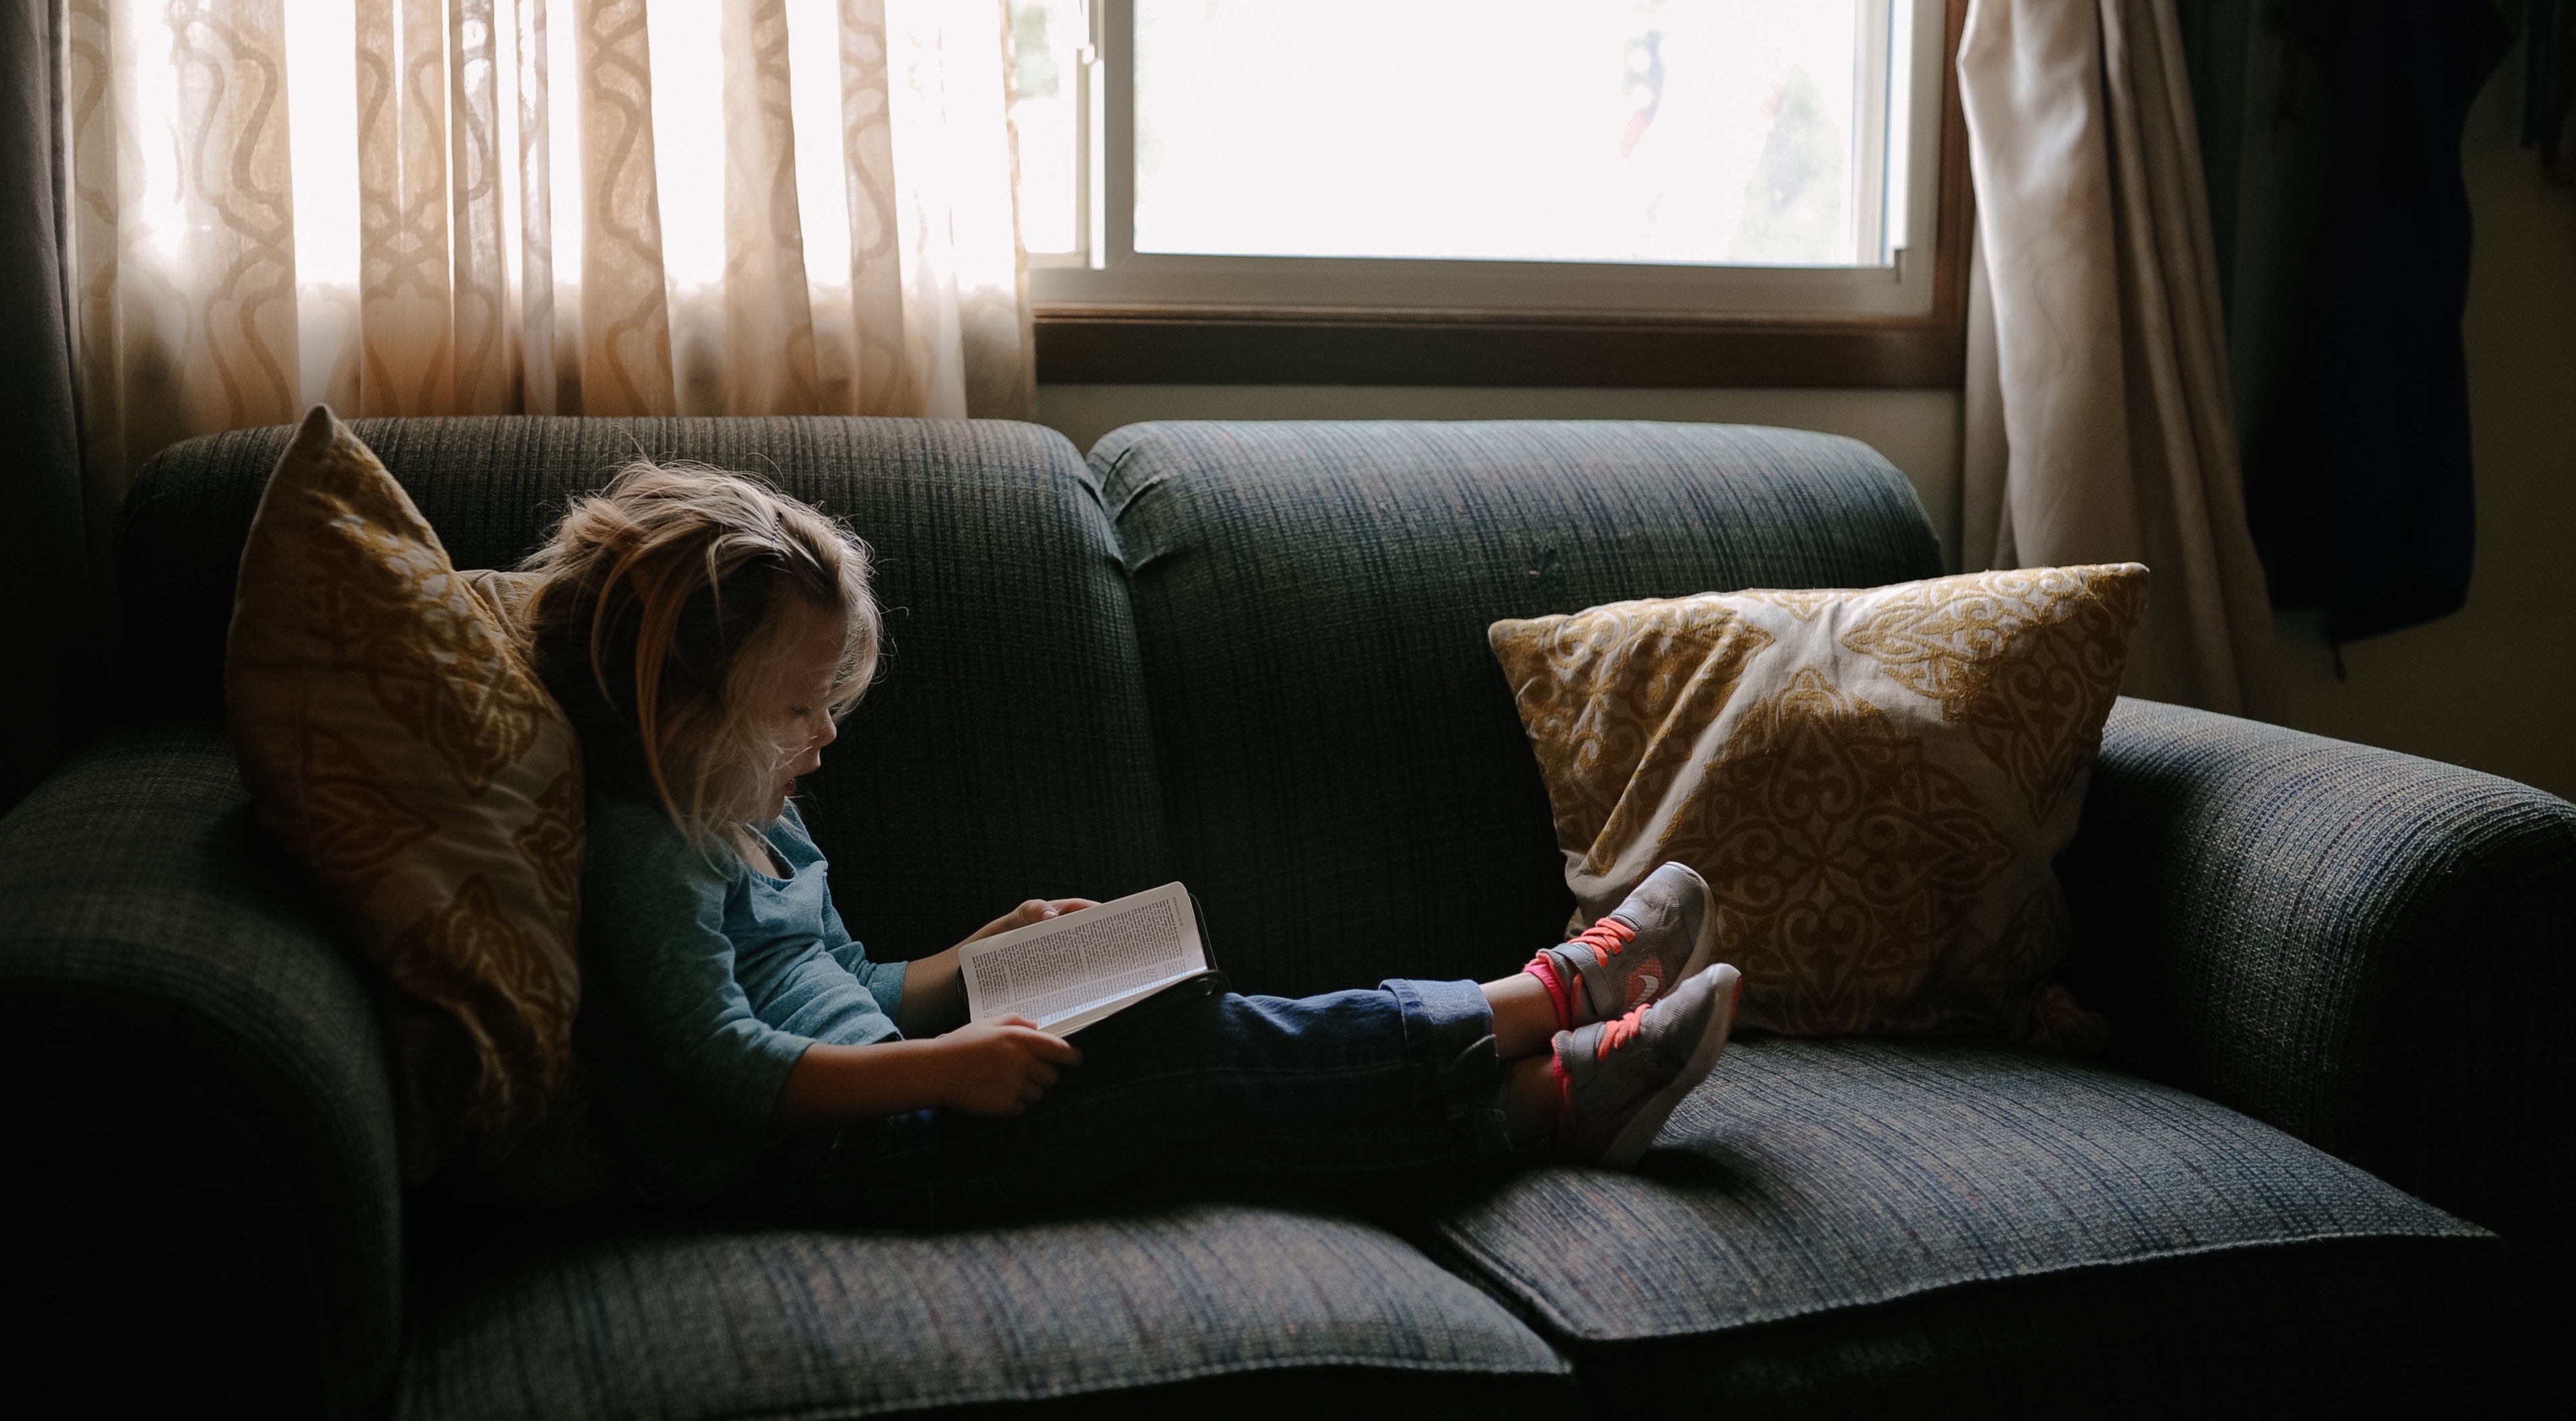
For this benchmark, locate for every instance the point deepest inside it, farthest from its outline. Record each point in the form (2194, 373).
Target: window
(1212, 189)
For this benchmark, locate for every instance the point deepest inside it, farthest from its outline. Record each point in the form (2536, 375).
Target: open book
(1071, 971)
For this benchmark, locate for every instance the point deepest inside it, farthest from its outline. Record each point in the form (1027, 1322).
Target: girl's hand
(1000, 1067)
(1036, 910)
(934, 996)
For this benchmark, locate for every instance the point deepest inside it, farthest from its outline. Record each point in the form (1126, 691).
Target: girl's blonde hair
(662, 616)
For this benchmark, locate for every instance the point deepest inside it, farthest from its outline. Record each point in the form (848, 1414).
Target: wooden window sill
(1251, 346)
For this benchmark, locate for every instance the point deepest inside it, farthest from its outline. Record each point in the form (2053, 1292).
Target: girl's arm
(657, 949)
(997, 1068)
(934, 995)
(994, 1068)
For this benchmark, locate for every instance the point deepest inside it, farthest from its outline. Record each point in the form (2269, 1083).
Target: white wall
(1918, 430)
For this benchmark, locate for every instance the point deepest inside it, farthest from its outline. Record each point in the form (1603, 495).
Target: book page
(1085, 964)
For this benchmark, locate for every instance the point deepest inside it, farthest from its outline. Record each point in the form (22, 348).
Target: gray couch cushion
(1004, 752)
(1834, 1198)
(1278, 1302)
(1349, 789)
(1808, 1175)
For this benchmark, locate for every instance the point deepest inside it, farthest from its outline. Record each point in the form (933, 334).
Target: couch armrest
(2368, 950)
(203, 1194)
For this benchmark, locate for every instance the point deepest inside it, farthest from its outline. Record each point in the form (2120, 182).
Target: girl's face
(801, 715)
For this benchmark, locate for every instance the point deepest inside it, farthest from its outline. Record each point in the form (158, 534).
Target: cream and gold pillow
(1875, 783)
(395, 740)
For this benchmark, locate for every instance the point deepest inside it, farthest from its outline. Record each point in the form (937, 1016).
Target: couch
(2321, 1165)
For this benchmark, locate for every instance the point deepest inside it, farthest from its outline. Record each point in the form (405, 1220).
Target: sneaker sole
(1648, 1122)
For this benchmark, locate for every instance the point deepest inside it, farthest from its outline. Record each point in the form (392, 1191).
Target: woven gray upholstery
(1348, 786)
(200, 1124)
(1828, 1179)
(669, 1326)
(1255, 654)
(1004, 752)
(1815, 1174)
(2371, 951)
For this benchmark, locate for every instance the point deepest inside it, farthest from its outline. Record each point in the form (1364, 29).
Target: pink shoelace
(1614, 1034)
(1606, 938)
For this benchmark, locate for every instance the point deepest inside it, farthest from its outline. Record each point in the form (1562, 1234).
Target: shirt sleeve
(656, 929)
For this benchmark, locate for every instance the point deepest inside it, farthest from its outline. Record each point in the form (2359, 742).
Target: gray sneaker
(1661, 937)
(1619, 1080)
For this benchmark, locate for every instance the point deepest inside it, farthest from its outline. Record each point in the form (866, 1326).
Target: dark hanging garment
(2357, 462)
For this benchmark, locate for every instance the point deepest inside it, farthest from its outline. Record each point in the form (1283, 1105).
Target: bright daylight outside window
(1712, 154)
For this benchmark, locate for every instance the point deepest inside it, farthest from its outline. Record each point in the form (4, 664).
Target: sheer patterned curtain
(539, 206)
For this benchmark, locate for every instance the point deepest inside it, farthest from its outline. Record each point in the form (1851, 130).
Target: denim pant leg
(1345, 1090)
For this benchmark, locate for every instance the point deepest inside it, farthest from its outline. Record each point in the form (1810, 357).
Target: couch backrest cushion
(1004, 752)
(1350, 790)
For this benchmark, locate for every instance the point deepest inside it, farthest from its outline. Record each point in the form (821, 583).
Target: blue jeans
(1345, 1091)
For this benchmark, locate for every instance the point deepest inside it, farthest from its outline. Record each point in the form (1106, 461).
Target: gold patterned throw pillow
(1874, 783)
(396, 742)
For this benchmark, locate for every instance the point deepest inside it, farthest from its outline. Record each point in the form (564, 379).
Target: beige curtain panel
(2097, 407)
(406, 207)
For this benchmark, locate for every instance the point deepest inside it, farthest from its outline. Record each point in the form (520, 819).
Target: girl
(706, 634)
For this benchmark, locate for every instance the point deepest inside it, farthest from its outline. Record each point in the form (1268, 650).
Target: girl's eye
(800, 712)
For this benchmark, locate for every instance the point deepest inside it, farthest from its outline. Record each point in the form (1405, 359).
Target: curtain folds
(2108, 366)
(61, 675)
(183, 225)
(543, 206)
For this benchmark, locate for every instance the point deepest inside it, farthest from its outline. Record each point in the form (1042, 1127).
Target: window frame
(1178, 343)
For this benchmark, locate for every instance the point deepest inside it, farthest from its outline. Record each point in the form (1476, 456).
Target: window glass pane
(1046, 82)
(1704, 131)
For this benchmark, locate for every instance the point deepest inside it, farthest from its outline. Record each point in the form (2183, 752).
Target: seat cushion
(1348, 786)
(1258, 1308)
(1849, 1219)
(1004, 752)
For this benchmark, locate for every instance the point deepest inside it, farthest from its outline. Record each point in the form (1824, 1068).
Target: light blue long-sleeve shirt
(703, 984)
